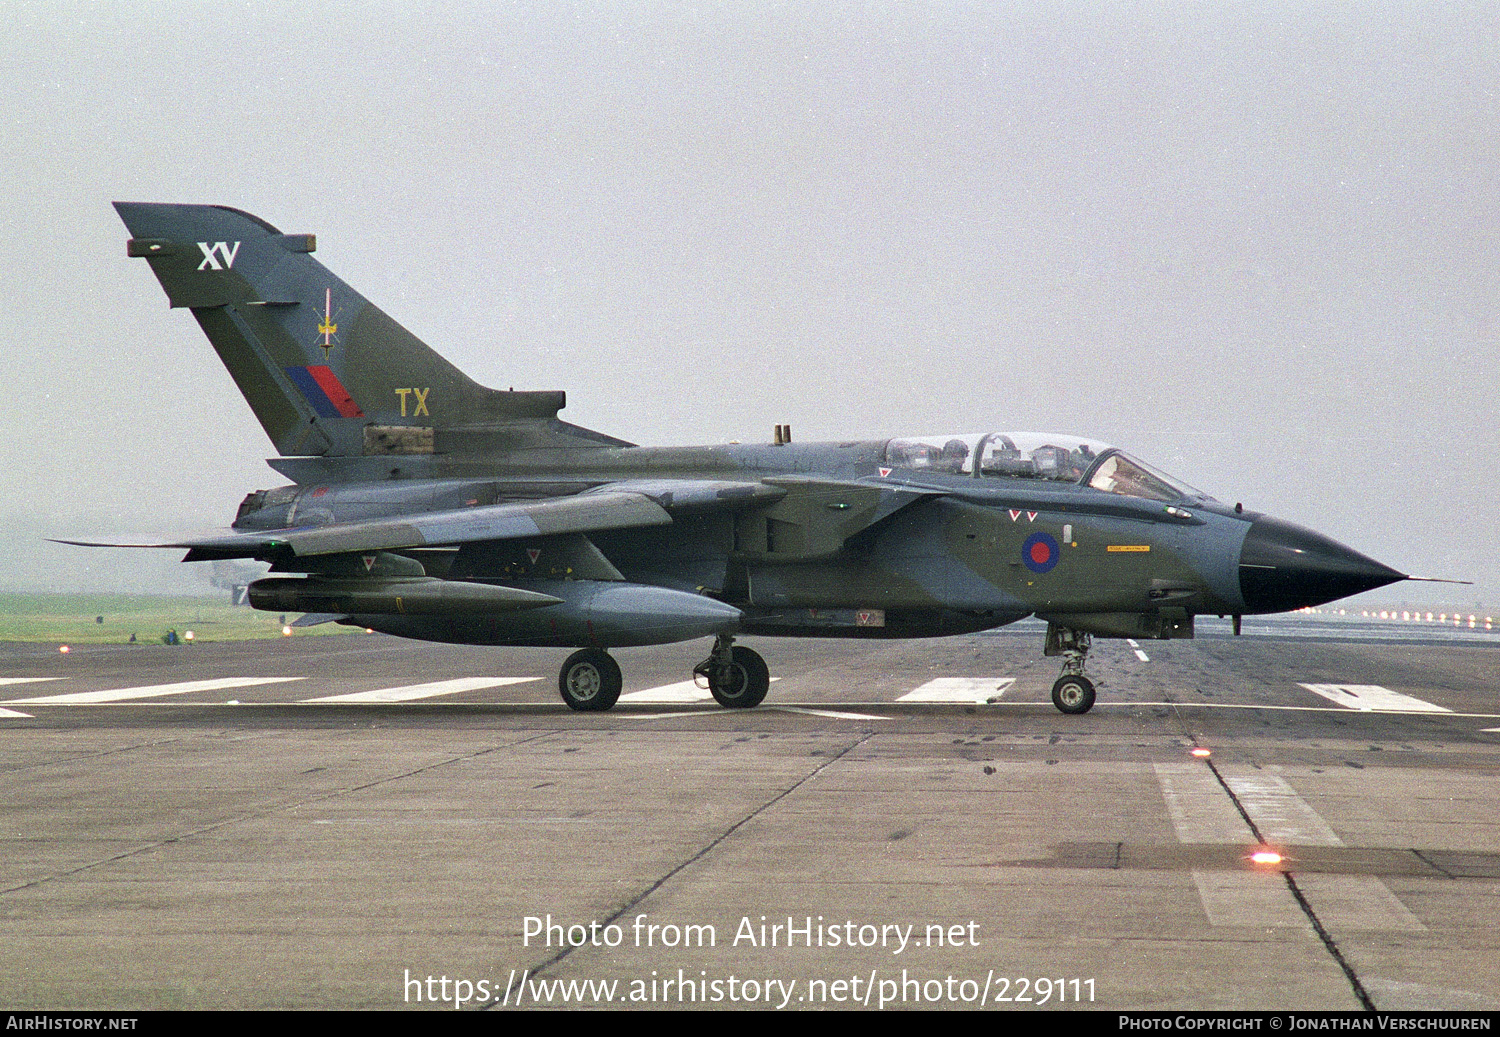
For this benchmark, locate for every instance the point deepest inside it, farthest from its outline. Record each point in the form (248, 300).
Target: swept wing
(585, 513)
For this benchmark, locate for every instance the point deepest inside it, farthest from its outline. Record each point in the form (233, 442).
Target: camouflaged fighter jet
(425, 505)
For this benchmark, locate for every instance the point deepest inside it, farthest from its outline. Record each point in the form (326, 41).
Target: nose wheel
(1073, 692)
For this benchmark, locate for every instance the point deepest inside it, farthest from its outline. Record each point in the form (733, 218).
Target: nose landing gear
(1073, 692)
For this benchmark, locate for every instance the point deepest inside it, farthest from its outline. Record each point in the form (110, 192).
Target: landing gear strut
(1073, 692)
(737, 676)
(590, 681)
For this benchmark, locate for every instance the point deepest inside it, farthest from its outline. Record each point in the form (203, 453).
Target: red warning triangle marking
(369, 561)
(533, 553)
(884, 472)
(1014, 514)
(1031, 516)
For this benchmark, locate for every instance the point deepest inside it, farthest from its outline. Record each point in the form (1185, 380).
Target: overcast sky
(1253, 243)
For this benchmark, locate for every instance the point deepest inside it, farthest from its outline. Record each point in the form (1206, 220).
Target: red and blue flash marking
(1040, 552)
(324, 391)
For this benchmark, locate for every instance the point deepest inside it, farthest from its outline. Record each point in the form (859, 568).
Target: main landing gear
(1073, 692)
(590, 681)
(737, 677)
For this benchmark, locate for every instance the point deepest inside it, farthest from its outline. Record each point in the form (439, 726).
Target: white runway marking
(1142, 656)
(1264, 706)
(1199, 809)
(1357, 902)
(1372, 698)
(1251, 899)
(960, 689)
(804, 710)
(411, 692)
(1277, 810)
(682, 691)
(149, 691)
(11, 714)
(828, 713)
(1202, 813)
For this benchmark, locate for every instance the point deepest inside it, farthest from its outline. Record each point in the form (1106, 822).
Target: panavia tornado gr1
(425, 505)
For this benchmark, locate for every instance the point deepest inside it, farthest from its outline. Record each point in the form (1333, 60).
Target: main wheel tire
(590, 681)
(1073, 694)
(746, 683)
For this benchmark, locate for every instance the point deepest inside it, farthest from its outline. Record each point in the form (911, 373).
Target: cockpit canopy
(1038, 456)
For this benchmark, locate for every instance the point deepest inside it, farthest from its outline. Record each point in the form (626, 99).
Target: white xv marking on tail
(212, 254)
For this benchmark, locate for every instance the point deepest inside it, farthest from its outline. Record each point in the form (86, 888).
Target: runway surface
(365, 822)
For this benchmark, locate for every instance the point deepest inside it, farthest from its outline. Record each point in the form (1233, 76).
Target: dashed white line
(412, 692)
(148, 691)
(1142, 656)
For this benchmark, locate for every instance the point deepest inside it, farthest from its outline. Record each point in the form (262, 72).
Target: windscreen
(1123, 474)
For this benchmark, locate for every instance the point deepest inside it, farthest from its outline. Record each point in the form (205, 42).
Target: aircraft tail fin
(326, 371)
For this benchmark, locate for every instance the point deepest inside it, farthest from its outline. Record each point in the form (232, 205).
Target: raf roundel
(1040, 552)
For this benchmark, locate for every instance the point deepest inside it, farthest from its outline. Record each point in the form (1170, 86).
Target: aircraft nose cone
(1285, 567)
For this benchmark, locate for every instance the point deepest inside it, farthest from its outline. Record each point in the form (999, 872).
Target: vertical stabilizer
(326, 372)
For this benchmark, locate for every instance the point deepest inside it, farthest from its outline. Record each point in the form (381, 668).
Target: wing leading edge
(585, 513)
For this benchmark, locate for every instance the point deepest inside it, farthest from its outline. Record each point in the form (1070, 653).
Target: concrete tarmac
(362, 822)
